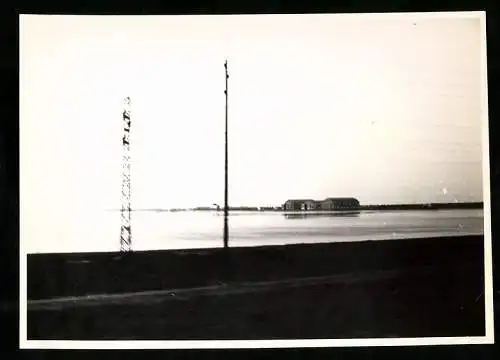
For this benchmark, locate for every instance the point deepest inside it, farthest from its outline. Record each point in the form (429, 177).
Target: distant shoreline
(430, 206)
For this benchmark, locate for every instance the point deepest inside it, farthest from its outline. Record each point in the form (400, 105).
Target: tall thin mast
(226, 207)
(126, 229)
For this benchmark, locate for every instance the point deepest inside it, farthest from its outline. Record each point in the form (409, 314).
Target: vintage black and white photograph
(279, 180)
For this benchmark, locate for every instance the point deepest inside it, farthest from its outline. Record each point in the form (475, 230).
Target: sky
(384, 109)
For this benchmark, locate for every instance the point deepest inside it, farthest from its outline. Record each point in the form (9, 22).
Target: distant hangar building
(301, 204)
(327, 204)
(339, 203)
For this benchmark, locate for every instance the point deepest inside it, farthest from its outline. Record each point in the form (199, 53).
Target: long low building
(326, 204)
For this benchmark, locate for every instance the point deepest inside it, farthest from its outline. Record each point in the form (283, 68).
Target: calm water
(164, 230)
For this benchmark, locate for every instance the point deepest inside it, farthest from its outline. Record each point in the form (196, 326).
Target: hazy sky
(386, 110)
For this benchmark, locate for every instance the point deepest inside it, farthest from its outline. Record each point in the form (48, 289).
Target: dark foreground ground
(393, 288)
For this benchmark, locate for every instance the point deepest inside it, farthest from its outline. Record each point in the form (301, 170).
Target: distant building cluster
(327, 204)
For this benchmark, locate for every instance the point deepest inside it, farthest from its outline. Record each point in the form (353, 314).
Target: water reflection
(308, 215)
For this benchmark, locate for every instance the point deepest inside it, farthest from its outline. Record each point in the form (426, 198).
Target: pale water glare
(182, 230)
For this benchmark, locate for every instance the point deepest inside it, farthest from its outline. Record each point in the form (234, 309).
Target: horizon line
(201, 207)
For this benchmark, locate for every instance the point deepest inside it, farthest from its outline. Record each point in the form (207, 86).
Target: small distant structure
(326, 204)
(267, 208)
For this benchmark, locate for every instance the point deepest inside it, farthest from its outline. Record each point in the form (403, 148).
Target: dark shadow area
(402, 288)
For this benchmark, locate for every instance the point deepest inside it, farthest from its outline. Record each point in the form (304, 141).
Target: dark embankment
(59, 275)
(429, 206)
(426, 287)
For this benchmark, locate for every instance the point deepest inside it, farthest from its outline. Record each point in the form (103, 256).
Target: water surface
(176, 230)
